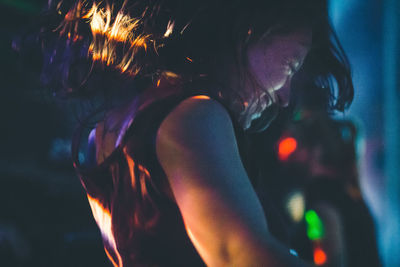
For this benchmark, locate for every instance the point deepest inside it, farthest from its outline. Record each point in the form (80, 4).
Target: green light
(22, 5)
(315, 228)
(312, 217)
(297, 115)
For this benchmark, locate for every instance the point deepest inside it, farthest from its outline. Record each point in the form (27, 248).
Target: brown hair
(97, 42)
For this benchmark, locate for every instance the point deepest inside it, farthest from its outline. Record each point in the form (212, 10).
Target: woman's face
(272, 62)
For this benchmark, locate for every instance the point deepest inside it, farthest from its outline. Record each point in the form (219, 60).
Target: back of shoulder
(201, 107)
(196, 119)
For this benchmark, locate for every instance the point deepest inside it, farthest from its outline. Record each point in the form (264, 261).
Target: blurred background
(45, 219)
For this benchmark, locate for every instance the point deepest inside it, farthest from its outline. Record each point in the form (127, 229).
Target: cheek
(267, 69)
(278, 79)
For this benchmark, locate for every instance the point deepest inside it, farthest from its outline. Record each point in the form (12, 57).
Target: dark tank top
(128, 191)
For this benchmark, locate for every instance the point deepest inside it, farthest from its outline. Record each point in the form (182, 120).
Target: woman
(182, 80)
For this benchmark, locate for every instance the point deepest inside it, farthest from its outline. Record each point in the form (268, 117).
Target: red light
(286, 147)
(319, 256)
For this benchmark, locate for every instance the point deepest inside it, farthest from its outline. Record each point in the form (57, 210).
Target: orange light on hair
(170, 74)
(99, 19)
(320, 257)
(102, 217)
(110, 29)
(131, 165)
(286, 147)
(122, 27)
(170, 28)
(69, 27)
(139, 176)
(111, 258)
(143, 173)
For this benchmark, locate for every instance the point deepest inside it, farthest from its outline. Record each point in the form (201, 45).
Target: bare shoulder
(196, 147)
(197, 112)
(198, 123)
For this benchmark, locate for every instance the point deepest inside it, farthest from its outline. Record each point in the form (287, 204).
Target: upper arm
(197, 149)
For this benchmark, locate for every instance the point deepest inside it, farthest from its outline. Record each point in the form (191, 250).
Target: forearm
(263, 252)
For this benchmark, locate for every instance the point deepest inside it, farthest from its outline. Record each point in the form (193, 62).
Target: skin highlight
(272, 62)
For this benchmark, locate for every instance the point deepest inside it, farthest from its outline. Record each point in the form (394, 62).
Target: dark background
(45, 219)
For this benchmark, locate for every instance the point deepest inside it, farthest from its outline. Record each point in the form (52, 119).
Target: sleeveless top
(128, 191)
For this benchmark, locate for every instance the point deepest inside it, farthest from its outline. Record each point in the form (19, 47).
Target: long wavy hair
(122, 46)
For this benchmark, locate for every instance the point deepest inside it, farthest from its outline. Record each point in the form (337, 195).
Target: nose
(284, 94)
